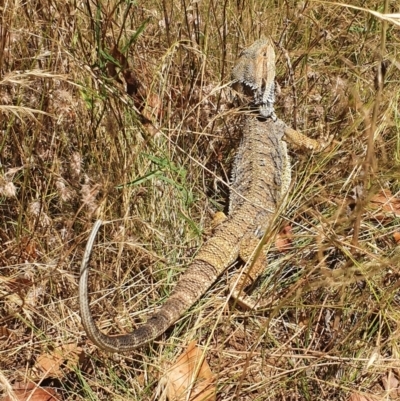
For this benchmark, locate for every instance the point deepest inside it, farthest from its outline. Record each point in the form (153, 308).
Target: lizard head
(254, 75)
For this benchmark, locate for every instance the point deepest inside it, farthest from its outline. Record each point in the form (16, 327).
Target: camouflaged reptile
(261, 178)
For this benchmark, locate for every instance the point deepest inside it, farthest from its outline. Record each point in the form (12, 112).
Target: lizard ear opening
(261, 118)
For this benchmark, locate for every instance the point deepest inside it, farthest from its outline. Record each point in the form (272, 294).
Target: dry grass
(76, 146)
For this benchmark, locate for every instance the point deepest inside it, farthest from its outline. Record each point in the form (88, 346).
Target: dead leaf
(51, 363)
(284, 239)
(390, 383)
(190, 374)
(4, 333)
(29, 248)
(360, 397)
(31, 392)
(17, 285)
(396, 237)
(119, 60)
(385, 201)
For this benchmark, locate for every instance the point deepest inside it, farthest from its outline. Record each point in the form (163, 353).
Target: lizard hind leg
(252, 270)
(218, 219)
(256, 262)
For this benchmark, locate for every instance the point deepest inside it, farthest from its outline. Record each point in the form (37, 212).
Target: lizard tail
(196, 280)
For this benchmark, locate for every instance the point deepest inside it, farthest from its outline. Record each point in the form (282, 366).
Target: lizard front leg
(300, 140)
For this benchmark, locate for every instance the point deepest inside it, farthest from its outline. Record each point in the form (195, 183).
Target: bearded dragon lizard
(261, 178)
